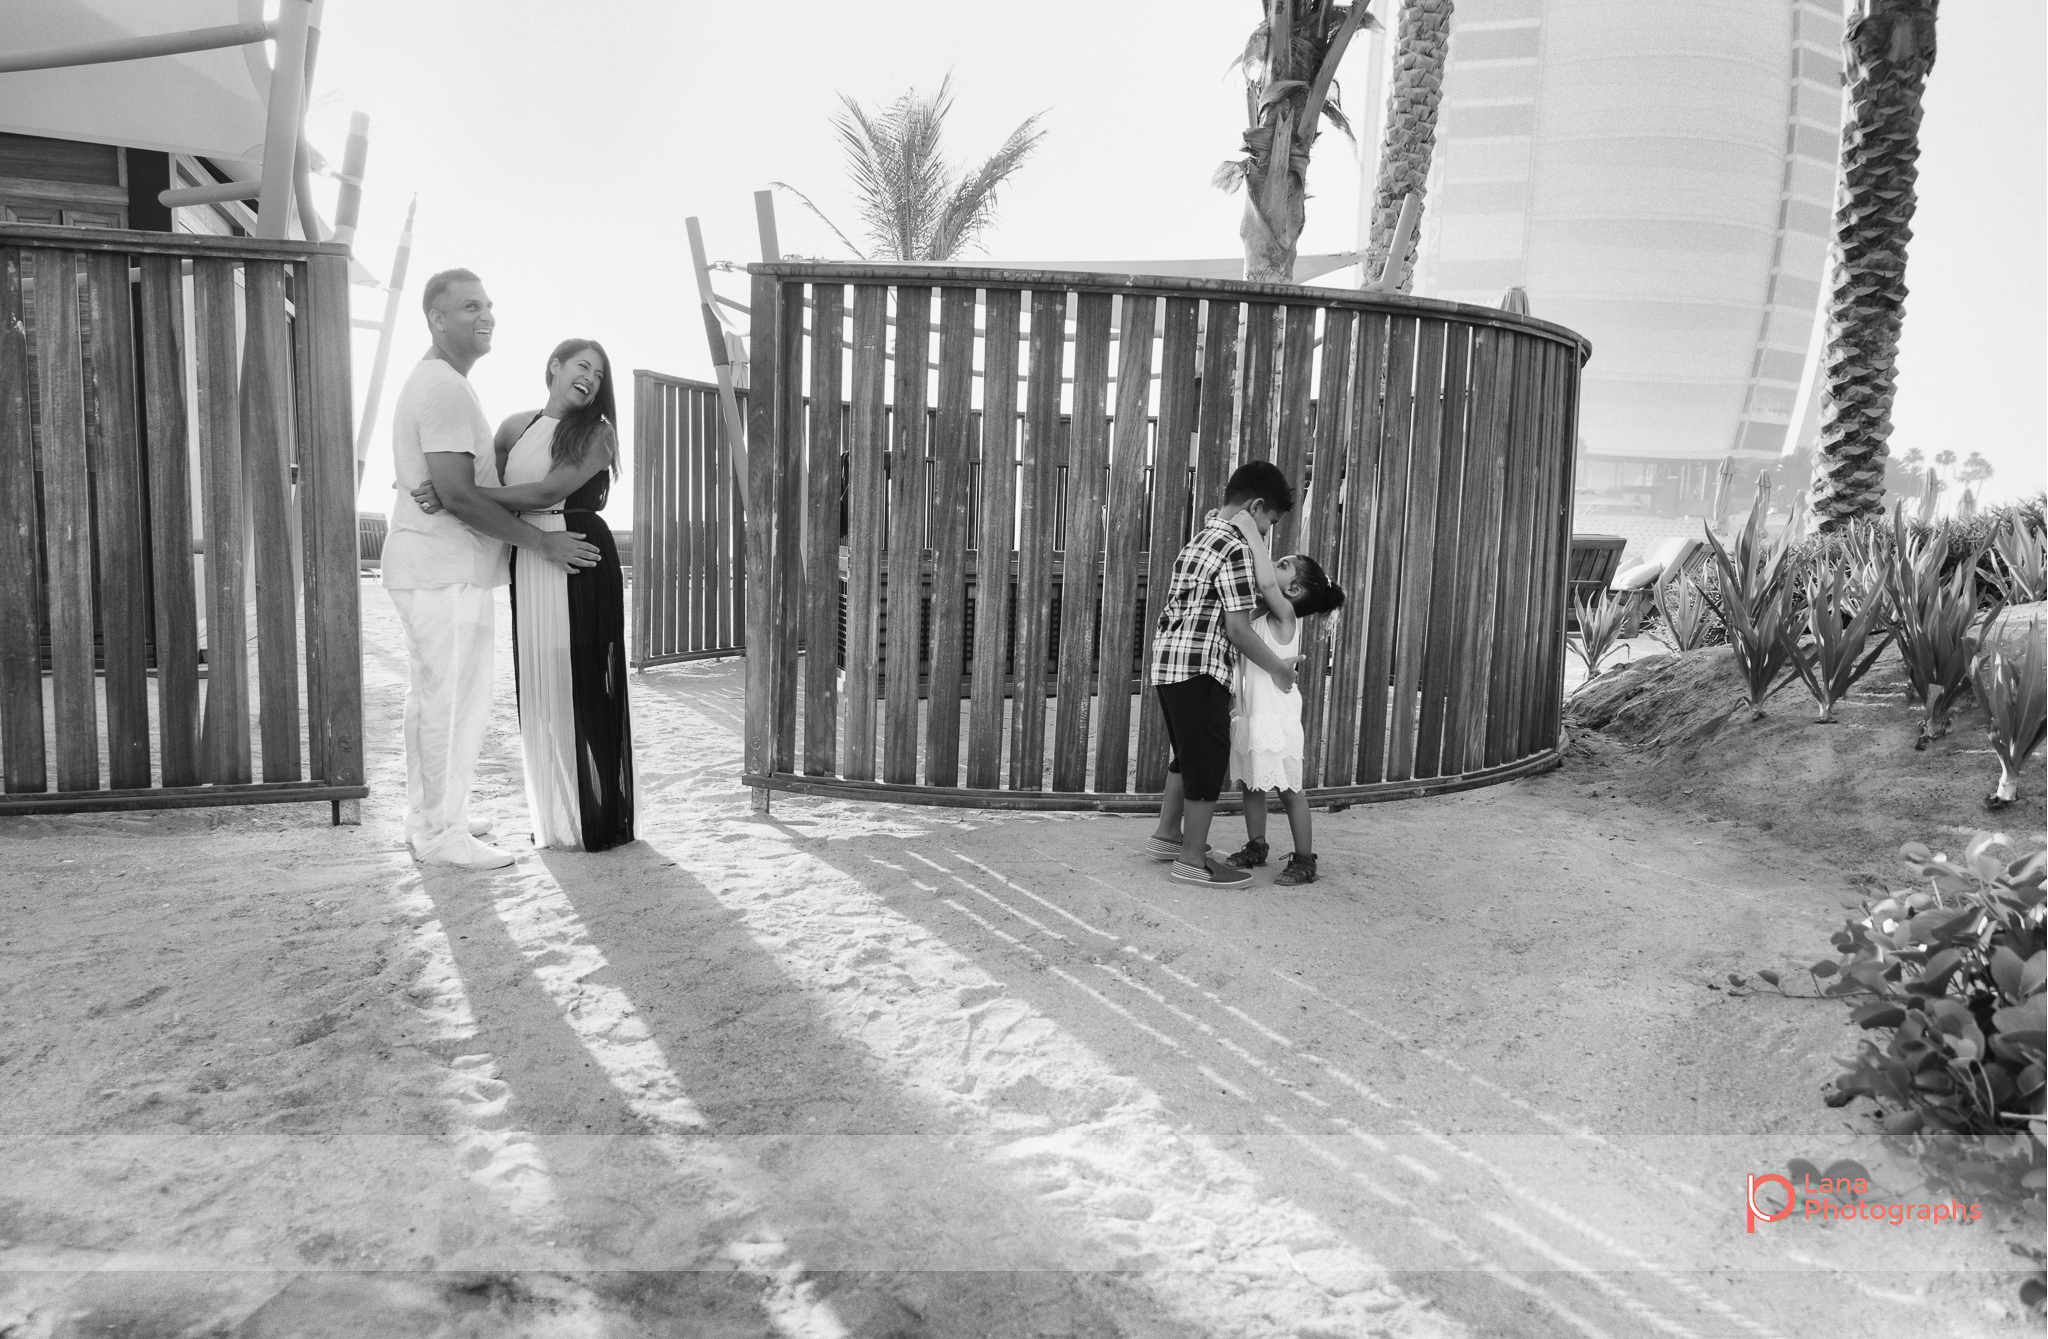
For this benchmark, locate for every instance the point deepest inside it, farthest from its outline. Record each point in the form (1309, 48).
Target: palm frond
(1230, 176)
(808, 204)
(1336, 117)
(970, 207)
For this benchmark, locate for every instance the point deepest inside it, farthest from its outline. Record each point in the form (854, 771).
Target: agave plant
(1685, 615)
(1840, 614)
(2015, 691)
(1753, 602)
(1932, 619)
(2019, 559)
(913, 205)
(1599, 630)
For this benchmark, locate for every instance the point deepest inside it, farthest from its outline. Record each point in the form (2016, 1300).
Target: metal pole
(383, 359)
(137, 48)
(281, 129)
(727, 349)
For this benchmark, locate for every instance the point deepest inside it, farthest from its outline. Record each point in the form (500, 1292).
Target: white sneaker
(467, 853)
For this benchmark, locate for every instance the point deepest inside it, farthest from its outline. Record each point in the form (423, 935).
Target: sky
(556, 150)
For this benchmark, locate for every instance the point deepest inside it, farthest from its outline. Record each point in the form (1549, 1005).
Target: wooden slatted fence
(1431, 444)
(689, 526)
(156, 390)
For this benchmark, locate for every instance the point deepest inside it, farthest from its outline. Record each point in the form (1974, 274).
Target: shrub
(1751, 600)
(1840, 614)
(1953, 975)
(2015, 693)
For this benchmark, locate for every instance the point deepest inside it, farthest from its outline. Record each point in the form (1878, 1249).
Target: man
(1204, 625)
(441, 568)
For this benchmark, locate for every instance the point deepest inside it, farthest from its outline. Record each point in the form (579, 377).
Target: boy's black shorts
(1197, 713)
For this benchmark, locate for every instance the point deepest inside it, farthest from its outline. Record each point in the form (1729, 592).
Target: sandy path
(859, 1071)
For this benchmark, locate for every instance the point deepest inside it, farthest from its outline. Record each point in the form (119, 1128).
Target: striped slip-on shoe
(1209, 876)
(1158, 848)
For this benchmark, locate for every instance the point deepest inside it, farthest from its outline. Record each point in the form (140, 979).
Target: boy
(1205, 624)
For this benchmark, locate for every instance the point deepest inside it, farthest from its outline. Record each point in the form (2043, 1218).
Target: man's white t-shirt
(438, 411)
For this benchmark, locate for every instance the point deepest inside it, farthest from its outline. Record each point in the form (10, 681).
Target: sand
(854, 1070)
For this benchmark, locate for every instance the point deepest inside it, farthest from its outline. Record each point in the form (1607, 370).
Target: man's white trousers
(448, 639)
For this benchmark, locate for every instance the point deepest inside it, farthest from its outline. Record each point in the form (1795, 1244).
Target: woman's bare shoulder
(513, 427)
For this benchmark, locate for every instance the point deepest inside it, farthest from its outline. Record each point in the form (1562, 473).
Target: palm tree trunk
(1275, 208)
(1888, 46)
(1423, 41)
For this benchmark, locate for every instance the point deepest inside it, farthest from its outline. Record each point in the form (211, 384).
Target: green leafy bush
(1953, 976)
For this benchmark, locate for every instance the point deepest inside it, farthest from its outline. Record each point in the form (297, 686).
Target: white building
(1658, 175)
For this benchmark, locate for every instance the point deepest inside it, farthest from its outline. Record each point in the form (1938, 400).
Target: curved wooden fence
(1078, 425)
(157, 389)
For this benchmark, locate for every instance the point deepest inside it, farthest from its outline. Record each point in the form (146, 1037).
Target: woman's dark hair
(581, 427)
(1319, 594)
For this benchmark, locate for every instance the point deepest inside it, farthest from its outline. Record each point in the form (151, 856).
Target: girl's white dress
(1266, 740)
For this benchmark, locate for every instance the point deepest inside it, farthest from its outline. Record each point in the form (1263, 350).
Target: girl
(1266, 742)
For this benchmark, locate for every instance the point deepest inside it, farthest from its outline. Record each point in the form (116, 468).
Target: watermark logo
(1772, 1197)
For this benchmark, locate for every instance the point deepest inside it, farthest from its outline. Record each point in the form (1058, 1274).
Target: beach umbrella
(209, 103)
(1724, 479)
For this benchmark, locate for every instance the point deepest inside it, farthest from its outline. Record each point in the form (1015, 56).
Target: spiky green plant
(1599, 630)
(1754, 601)
(1685, 616)
(2019, 557)
(1290, 75)
(913, 204)
(1932, 618)
(1841, 613)
(2014, 689)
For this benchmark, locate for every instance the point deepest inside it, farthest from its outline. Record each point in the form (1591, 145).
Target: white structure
(1659, 175)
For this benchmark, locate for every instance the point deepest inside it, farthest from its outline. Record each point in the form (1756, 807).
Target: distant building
(1658, 175)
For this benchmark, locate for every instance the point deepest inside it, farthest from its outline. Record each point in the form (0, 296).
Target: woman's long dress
(569, 640)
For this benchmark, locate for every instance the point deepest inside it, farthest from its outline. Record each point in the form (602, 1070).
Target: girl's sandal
(1300, 869)
(1251, 856)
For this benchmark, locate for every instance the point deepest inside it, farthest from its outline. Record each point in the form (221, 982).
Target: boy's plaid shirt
(1212, 575)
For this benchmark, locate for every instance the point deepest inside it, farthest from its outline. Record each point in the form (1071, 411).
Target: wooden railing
(689, 527)
(161, 392)
(1432, 444)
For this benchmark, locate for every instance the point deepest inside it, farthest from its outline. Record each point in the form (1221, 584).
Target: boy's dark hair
(1319, 594)
(1260, 481)
(441, 283)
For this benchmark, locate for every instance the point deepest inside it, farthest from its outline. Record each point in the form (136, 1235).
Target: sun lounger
(1594, 558)
(1640, 578)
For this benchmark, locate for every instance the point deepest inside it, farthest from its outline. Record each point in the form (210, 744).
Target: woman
(569, 628)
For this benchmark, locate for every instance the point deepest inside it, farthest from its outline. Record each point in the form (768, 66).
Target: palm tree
(912, 204)
(1422, 41)
(1888, 47)
(1290, 74)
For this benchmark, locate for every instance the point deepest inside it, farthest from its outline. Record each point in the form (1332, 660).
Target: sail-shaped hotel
(1657, 174)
